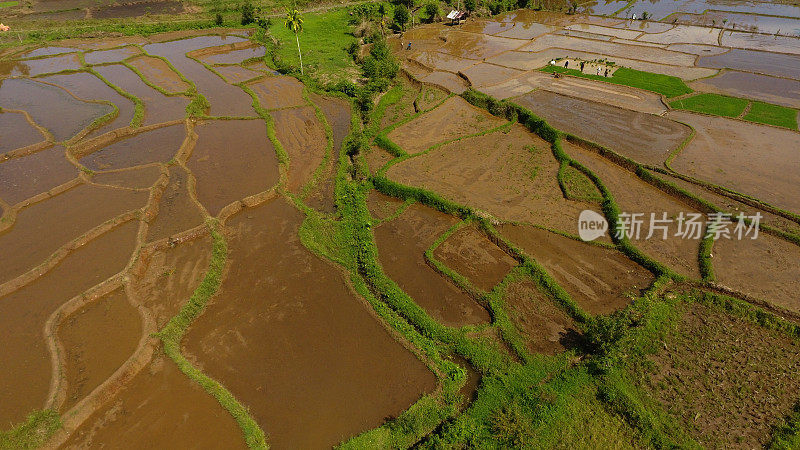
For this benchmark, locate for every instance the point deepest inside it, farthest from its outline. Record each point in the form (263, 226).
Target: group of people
(582, 65)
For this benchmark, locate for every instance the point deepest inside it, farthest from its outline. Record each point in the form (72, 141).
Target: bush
(401, 16)
(432, 11)
(603, 332)
(218, 20)
(470, 5)
(380, 63)
(248, 13)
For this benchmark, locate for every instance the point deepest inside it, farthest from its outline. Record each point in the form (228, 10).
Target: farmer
(409, 46)
(598, 71)
(582, 63)
(566, 64)
(606, 75)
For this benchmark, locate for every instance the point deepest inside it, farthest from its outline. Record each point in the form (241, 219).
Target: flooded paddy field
(207, 253)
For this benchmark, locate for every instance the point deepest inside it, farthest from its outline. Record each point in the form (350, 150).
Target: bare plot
(471, 254)
(22, 178)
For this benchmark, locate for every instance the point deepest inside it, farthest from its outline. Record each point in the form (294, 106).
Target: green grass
(32, 433)
(715, 104)
(667, 85)
(8, 4)
(323, 42)
(577, 186)
(770, 114)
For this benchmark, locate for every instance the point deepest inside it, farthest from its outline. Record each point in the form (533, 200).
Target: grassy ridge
(714, 104)
(667, 85)
(33, 432)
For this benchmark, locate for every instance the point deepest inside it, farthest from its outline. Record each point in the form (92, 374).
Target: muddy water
(25, 361)
(160, 407)
(280, 343)
(745, 165)
(766, 268)
(33, 67)
(97, 339)
(303, 138)
(49, 105)
(44, 227)
(471, 254)
(158, 107)
(232, 159)
(170, 277)
(225, 99)
(546, 328)
(512, 176)
(485, 74)
(645, 138)
(47, 51)
(159, 145)
(756, 23)
(444, 61)
(278, 92)
(237, 74)
(454, 118)
(16, 132)
(176, 211)
(138, 9)
(402, 244)
(768, 63)
(449, 81)
(634, 196)
(235, 56)
(476, 46)
(660, 9)
(22, 178)
(158, 72)
(109, 56)
(88, 87)
(337, 114)
(758, 87)
(136, 178)
(598, 279)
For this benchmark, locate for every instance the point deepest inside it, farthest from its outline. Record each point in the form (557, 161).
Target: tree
(248, 13)
(432, 11)
(401, 16)
(294, 22)
(470, 5)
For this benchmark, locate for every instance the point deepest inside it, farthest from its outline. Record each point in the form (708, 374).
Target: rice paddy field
(199, 250)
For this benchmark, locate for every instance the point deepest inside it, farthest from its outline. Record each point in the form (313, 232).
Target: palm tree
(294, 22)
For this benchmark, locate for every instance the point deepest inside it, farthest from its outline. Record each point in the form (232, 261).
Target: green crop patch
(666, 85)
(714, 104)
(770, 114)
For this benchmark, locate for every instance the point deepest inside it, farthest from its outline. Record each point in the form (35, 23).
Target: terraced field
(197, 251)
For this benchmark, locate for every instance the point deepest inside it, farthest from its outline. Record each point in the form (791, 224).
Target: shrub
(218, 20)
(401, 16)
(248, 13)
(603, 332)
(432, 11)
(380, 63)
(470, 5)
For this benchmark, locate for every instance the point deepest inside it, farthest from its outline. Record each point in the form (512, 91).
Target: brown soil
(235, 56)
(35, 67)
(403, 108)
(22, 178)
(430, 97)
(89, 87)
(44, 227)
(443, 61)
(176, 210)
(48, 105)
(97, 339)
(486, 74)
(158, 107)
(743, 166)
(135, 178)
(511, 176)
(159, 145)
(16, 132)
(303, 138)
(449, 81)
(278, 92)
(109, 56)
(780, 91)
(732, 206)
(725, 378)
(546, 328)
(766, 268)
(382, 206)
(232, 159)
(280, 343)
(337, 114)
(768, 63)
(454, 118)
(377, 158)
(471, 254)
(159, 406)
(170, 276)
(25, 370)
(138, 9)
(598, 279)
(634, 196)
(645, 138)
(159, 73)
(402, 244)
(476, 46)
(225, 99)
(236, 74)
